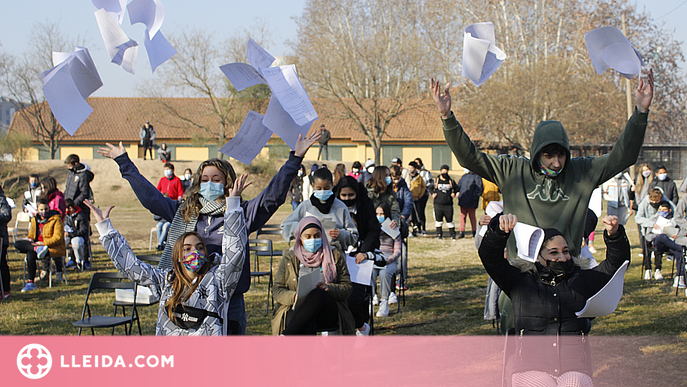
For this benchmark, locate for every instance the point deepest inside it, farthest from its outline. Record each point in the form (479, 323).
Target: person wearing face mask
(666, 184)
(369, 168)
(195, 292)
(164, 154)
(45, 241)
(671, 232)
(77, 231)
(323, 307)
(170, 184)
(391, 250)
(203, 206)
(187, 179)
(646, 217)
(308, 180)
(324, 205)
(356, 172)
(419, 190)
(552, 347)
(28, 204)
(616, 192)
(445, 189)
(296, 188)
(354, 196)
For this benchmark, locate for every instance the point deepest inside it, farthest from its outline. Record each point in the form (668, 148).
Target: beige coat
(286, 286)
(53, 235)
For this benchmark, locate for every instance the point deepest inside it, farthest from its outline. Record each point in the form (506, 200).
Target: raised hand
(99, 214)
(611, 224)
(112, 151)
(443, 101)
(302, 145)
(507, 222)
(645, 92)
(239, 185)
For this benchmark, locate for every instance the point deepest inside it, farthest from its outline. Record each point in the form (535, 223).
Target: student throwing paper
(545, 299)
(551, 189)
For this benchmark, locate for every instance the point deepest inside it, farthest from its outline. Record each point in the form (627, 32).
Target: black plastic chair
(262, 248)
(109, 281)
(153, 260)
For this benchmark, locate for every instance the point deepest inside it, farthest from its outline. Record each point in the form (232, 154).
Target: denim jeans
(162, 227)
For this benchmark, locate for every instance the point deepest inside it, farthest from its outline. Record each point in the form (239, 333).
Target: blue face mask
(664, 214)
(381, 218)
(211, 191)
(388, 180)
(33, 185)
(323, 194)
(313, 244)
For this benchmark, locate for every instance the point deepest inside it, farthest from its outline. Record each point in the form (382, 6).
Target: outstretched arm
(233, 241)
(491, 252)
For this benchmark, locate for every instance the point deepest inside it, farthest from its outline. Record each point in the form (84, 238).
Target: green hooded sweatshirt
(559, 202)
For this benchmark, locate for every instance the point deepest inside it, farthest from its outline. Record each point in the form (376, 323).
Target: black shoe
(452, 232)
(160, 247)
(473, 233)
(439, 232)
(461, 234)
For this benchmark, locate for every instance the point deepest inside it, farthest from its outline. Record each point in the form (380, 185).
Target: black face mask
(558, 268)
(444, 176)
(350, 202)
(655, 205)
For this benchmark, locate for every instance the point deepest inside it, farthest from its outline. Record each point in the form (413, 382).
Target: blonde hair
(641, 180)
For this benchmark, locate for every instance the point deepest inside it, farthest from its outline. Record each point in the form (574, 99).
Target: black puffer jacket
(544, 305)
(78, 187)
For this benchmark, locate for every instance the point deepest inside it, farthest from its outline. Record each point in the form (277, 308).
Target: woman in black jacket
(545, 299)
(361, 208)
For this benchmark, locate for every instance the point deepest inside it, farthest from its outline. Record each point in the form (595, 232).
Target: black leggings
(359, 304)
(4, 268)
(26, 247)
(316, 312)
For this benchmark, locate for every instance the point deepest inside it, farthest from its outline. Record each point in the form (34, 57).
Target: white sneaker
(363, 332)
(592, 249)
(640, 255)
(383, 309)
(375, 300)
(679, 282)
(392, 298)
(658, 275)
(647, 275)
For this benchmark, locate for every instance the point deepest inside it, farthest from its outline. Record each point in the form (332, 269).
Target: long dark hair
(50, 185)
(360, 192)
(378, 180)
(183, 286)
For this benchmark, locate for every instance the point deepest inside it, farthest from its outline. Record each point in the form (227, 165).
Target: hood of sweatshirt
(547, 133)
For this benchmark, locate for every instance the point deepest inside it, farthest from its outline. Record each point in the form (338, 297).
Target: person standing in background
(324, 143)
(616, 192)
(420, 195)
(147, 135)
(445, 190)
(296, 188)
(666, 184)
(469, 190)
(187, 179)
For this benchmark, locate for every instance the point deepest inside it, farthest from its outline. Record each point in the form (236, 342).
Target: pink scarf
(323, 257)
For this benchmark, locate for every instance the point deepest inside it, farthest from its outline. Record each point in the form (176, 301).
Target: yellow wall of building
(350, 154)
(30, 154)
(455, 165)
(410, 154)
(132, 149)
(84, 152)
(311, 154)
(192, 153)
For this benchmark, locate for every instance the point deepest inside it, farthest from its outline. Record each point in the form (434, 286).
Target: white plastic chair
(150, 243)
(22, 217)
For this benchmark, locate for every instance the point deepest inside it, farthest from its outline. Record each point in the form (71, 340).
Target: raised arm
(617, 252)
(147, 193)
(491, 252)
(234, 241)
(122, 255)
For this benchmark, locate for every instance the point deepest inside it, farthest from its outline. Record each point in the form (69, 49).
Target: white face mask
(466, 171)
(168, 172)
(188, 176)
(662, 176)
(646, 173)
(300, 173)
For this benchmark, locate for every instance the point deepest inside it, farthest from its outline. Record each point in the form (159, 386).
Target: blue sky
(224, 18)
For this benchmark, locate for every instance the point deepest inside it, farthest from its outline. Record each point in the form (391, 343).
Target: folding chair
(109, 281)
(22, 217)
(684, 265)
(153, 260)
(51, 270)
(150, 242)
(262, 248)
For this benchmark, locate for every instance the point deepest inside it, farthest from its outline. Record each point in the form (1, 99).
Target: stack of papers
(290, 111)
(360, 273)
(67, 85)
(528, 240)
(481, 57)
(143, 295)
(606, 300)
(609, 48)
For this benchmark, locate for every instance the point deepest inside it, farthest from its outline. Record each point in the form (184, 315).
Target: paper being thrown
(115, 8)
(250, 139)
(481, 57)
(606, 300)
(151, 13)
(121, 50)
(609, 48)
(67, 85)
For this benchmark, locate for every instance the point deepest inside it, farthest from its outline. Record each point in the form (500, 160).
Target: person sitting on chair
(671, 231)
(45, 241)
(77, 230)
(545, 299)
(323, 307)
(194, 294)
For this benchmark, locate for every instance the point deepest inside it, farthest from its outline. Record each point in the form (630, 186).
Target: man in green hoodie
(550, 190)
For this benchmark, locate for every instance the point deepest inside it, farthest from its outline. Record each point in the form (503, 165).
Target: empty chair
(262, 248)
(107, 281)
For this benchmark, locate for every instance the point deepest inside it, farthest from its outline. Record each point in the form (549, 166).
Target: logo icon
(34, 361)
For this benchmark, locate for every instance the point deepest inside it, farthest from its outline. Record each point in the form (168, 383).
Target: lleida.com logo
(34, 361)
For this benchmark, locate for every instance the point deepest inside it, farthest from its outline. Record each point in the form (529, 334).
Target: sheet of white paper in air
(281, 123)
(481, 57)
(82, 69)
(307, 283)
(288, 89)
(115, 8)
(250, 139)
(159, 50)
(360, 273)
(386, 227)
(609, 48)
(122, 50)
(242, 75)
(528, 240)
(493, 208)
(606, 300)
(66, 102)
(258, 56)
(149, 12)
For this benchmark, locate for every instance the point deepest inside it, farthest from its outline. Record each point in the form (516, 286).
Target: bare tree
(22, 80)
(194, 72)
(367, 56)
